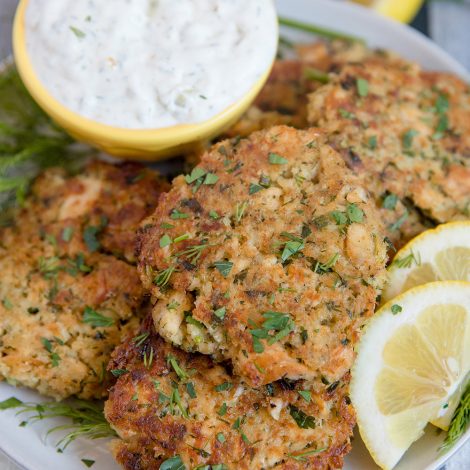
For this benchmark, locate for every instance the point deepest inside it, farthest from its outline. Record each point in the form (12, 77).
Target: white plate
(26, 446)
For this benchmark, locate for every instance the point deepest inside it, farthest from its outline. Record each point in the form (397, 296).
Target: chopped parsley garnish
(306, 395)
(55, 358)
(191, 390)
(223, 410)
(166, 225)
(407, 138)
(323, 268)
(176, 214)
(90, 238)
(213, 215)
(292, 246)
(240, 210)
(254, 188)
(276, 159)
(224, 267)
(224, 387)
(78, 32)
(301, 457)
(354, 213)
(211, 178)
(7, 304)
(67, 234)
(362, 87)
(220, 313)
(278, 322)
(199, 176)
(173, 463)
(311, 73)
(88, 462)
(372, 142)
(390, 201)
(396, 309)
(399, 222)
(442, 106)
(303, 420)
(165, 241)
(346, 114)
(119, 372)
(220, 437)
(180, 372)
(96, 319)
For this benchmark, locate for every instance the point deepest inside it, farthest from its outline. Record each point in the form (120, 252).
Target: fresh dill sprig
(86, 418)
(459, 423)
(318, 30)
(29, 142)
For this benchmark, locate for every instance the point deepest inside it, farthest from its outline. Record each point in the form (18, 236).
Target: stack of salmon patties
(263, 264)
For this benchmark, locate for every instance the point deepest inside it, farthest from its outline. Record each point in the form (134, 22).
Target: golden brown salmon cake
(284, 100)
(68, 294)
(168, 404)
(405, 134)
(268, 254)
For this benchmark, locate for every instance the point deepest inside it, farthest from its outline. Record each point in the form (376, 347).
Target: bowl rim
(171, 135)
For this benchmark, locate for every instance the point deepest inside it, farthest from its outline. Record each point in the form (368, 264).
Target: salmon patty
(172, 406)
(269, 254)
(69, 292)
(405, 133)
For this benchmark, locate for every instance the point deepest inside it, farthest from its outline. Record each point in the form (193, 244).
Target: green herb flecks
(303, 420)
(407, 138)
(399, 222)
(276, 159)
(390, 201)
(54, 357)
(291, 247)
(276, 326)
(460, 421)
(311, 73)
(395, 309)
(163, 277)
(180, 372)
(407, 261)
(441, 107)
(224, 267)
(173, 463)
(96, 319)
(323, 268)
(88, 462)
(78, 32)
(176, 214)
(86, 418)
(302, 456)
(318, 30)
(362, 87)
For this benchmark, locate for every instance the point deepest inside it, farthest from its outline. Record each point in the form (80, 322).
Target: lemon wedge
(401, 10)
(441, 254)
(413, 357)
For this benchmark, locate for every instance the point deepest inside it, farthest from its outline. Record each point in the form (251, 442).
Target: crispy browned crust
(250, 232)
(284, 100)
(50, 275)
(152, 431)
(429, 171)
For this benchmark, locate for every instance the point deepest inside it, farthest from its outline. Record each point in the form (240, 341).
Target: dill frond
(86, 418)
(459, 423)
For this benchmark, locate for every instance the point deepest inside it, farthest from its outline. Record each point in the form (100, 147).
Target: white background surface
(450, 27)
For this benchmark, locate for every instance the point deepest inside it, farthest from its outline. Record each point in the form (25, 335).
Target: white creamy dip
(143, 64)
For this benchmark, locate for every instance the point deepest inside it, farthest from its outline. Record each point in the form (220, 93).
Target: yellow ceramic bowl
(149, 144)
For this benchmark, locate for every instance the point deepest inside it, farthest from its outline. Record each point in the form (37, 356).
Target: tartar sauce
(142, 64)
